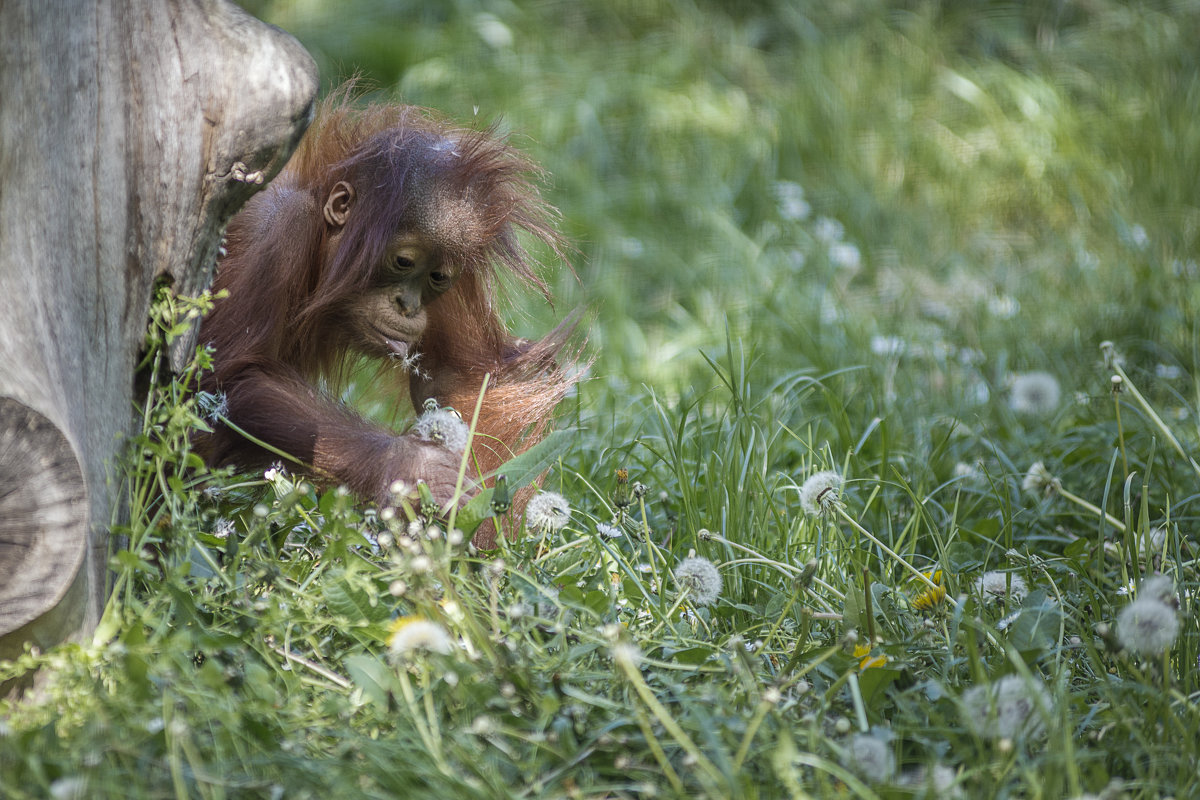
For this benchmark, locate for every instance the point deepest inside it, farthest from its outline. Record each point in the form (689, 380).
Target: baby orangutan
(381, 238)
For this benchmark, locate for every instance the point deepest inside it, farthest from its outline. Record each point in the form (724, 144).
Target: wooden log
(130, 131)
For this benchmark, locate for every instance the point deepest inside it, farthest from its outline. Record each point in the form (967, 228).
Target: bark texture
(130, 131)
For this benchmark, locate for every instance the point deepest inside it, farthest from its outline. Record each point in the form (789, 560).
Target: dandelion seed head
(845, 255)
(967, 472)
(1003, 306)
(821, 492)
(627, 655)
(792, 205)
(1040, 481)
(994, 585)
(1147, 626)
(700, 578)
(870, 757)
(412, 635)
(828, 230)
(443, 426)
(1006, 709)
(212, 406)
(1160, 588)
(887, 346)
(72, 788)
(1034, 393)
(608, 531)
(1152, 540)
(548, 512)
(938, 782)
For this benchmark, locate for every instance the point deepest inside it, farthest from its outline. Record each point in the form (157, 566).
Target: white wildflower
(547, 512)
(870, 757)
(821, 492)
(1147, 626)
(412, 635)
(608, 531)
(445, 427)
(1034, 393)
(700, 578)
(1010, 708)
(995, 585)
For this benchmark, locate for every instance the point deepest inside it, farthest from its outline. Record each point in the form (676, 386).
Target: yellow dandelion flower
(930, 598)
(863, 652)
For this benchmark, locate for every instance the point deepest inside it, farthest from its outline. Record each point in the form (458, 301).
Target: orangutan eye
(404, 263)
(439, 280)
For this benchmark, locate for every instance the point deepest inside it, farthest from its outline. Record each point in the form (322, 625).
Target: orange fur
(278, 338)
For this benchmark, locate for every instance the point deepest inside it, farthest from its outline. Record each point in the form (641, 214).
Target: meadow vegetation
(882, 481)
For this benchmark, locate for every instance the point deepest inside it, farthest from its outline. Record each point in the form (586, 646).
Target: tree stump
(130, 132)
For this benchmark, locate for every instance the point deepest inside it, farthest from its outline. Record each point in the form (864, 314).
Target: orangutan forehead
(451, 219)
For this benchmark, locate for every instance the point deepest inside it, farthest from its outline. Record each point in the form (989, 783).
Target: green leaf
(373, 677)
(472, 515)
(692, 655)
(344, 597)
(875, 680)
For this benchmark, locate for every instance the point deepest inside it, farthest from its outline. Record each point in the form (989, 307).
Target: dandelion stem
(259, 442)
(916, 573)
(1120, 430)
(1079, 501)
(1156, 419)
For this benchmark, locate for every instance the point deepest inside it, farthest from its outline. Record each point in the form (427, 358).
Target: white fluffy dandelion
(412, 635)
(938, 781)
(700, 578)
(1147, 626)
(870, 757)
(845, 255)
(547, 512)
(995, 585)
(1160, 588)
(1010, 708)
(1034, 393)
(820, 493)
(443, 426)
(828, 230)
(1040, 481)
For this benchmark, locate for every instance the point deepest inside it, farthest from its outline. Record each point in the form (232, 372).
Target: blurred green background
(996, 185)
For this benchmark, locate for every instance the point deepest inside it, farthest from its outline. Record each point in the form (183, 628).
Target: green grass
(988, 190)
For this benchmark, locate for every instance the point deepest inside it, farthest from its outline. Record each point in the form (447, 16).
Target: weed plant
(882, 483)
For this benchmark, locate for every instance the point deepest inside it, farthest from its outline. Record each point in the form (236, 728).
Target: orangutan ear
(338, 204)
